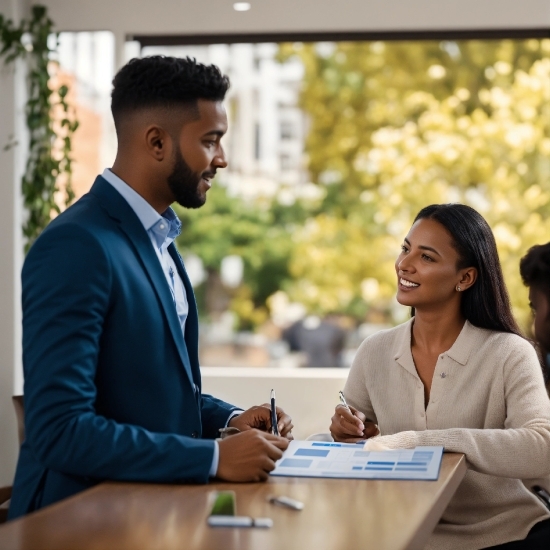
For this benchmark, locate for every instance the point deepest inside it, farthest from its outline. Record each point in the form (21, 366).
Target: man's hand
(351, 427)
(259, 417)
(249, 456)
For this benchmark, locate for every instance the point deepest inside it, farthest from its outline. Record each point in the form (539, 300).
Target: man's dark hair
(485, 304)
(535, 268)
(165, 82)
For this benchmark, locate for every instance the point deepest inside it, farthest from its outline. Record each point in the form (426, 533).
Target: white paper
(345, 460)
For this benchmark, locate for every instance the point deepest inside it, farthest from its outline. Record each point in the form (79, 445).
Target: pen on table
(239, 521)
(286, 501)
(274, 429)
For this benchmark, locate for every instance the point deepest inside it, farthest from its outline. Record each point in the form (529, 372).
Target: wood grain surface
(338, 515)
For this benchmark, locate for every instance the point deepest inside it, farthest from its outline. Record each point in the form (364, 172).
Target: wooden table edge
(417, 541)
(444, 497)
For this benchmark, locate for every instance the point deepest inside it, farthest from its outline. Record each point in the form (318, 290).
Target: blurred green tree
(259, 231)
(394, 126)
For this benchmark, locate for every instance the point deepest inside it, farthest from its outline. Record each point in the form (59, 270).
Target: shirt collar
(165, 227)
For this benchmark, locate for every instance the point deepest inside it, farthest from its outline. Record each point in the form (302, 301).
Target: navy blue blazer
(112, 385)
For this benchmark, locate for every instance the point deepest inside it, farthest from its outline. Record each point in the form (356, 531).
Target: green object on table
(224, 505)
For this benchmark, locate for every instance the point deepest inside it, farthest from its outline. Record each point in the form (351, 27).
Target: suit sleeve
(67, 282)
(214, 415)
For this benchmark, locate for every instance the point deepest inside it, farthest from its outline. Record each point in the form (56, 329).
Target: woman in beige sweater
(458, 374)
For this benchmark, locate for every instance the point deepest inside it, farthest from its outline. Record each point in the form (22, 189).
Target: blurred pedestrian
(321, 340)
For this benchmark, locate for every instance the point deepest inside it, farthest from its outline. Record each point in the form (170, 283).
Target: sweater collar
(458, 352)
(404, 355)
(466, 341)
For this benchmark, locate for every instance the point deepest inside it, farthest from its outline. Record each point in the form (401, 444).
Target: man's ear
(157, 142)
(468, 277)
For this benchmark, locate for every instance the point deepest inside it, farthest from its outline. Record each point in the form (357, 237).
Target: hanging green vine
(49, 154)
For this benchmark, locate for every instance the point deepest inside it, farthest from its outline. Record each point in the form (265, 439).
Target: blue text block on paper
(312, 452)
(295, 463)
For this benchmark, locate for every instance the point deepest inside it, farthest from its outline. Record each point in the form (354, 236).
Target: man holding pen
(110, 325)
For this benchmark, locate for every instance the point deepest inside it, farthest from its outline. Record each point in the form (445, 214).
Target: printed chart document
(345, 460)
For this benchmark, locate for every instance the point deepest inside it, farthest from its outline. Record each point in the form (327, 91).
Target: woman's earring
(458, 289)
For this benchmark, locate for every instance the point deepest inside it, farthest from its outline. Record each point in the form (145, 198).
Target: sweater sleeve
(355, 390)
(521, 449)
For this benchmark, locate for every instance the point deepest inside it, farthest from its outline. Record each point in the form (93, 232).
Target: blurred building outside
(265, 141)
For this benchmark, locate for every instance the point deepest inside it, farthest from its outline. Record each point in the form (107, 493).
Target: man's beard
(184, 183)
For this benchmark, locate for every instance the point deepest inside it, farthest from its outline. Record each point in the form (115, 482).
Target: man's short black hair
(535, 268)
(166, 82)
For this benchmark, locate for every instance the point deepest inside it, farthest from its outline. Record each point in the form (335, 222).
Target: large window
(333, 147)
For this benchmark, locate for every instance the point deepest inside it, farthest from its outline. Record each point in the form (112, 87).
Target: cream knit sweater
(487, 401)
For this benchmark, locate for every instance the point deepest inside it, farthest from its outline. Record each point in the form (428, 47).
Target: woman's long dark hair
(486, 303)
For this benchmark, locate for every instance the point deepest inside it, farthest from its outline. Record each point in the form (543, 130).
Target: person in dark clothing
(320, 339)
(535, 272)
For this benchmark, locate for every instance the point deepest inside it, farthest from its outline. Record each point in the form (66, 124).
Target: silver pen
(343, 400)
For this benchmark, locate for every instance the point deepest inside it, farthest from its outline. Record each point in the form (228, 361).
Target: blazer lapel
(192, 323)
(129, 223)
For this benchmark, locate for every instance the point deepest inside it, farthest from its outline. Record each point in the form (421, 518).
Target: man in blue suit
(110, 328)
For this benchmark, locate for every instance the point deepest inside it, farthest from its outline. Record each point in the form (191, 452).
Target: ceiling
(196, 17)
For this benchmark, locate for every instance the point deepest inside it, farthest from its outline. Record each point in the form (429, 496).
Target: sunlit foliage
(393, 127)
(397, 126)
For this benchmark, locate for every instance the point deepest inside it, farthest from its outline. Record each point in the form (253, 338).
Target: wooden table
(338, 515)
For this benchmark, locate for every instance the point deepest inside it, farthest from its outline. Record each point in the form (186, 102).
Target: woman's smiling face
(427, 274)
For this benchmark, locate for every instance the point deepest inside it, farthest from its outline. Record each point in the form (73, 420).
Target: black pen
(274, 429)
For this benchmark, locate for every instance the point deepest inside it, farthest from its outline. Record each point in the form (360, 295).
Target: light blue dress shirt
(162, 231)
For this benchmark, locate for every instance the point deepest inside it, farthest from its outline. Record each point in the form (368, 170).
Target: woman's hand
(351, 427)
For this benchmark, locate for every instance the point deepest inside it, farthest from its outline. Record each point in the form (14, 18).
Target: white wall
(11, 251)
(307, 395)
